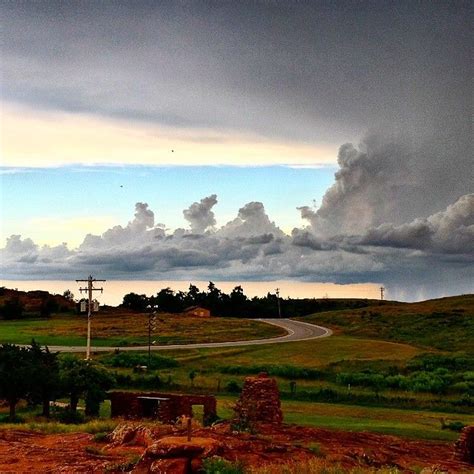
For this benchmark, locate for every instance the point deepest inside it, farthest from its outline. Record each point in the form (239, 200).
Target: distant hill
(444, 323)
(17, 304)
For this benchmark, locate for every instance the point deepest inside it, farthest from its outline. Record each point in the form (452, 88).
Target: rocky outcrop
(132, 434)
(176, 455)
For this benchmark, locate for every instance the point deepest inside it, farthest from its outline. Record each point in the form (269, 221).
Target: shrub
(70, 417)
(452, 425)
(130, 360)
(101, 437)
(12, 309)
(151, 381)
(233, 387)
(285, 371)
(217, 465)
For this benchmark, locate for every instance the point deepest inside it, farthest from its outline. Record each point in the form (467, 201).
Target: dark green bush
(285, 371)
(130, 360)
(233, 387)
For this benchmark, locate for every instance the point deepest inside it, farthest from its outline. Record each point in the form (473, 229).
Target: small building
(165, 407)
(197, 312)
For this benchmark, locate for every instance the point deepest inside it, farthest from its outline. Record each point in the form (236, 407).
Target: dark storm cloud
(311, 71)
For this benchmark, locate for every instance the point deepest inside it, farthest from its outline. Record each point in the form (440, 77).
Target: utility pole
(278, 301)
(89, 289)
(382, 289)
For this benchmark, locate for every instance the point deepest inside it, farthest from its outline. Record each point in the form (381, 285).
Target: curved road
(297, 331)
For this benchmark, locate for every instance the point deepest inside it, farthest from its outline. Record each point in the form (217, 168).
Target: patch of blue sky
(70, 191)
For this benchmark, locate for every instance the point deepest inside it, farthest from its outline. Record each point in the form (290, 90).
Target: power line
(89, 289)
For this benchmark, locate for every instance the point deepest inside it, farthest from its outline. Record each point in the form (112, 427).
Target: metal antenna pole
(278, 301)
(89, 289)
(151, 327)
(382, 289)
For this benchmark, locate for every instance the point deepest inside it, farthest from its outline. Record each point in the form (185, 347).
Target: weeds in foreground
(217, 465)
(95, 451)
(125, 466)
(314, 466)
(316, 449)
(52, 427)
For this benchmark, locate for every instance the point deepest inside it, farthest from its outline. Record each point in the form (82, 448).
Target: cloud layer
(435, 253)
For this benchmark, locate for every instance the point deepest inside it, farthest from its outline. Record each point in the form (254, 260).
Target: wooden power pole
(89, 289)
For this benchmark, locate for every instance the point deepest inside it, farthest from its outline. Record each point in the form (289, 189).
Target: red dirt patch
(28, 452)
(25, 451)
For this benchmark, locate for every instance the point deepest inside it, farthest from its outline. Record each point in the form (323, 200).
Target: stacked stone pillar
(259, 400)
(465, 445)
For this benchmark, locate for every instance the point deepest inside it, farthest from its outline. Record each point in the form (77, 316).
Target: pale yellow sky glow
(44, 139)
(115, 289)
(55, 230)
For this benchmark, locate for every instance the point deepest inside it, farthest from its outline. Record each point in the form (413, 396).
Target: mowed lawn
(405, 423)
(121, 329)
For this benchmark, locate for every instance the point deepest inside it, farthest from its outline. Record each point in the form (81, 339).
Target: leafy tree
(84, 378)
(69, 295)
(168, 301)
(12, 309)
(135, 302)
(48, 306)
(193, 295)
(100, 380)
(15, 375)
(44, 376)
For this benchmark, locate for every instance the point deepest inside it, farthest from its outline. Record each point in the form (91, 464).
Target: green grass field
(446, 324)
(123, 329)
(405, 423)
(379, 338)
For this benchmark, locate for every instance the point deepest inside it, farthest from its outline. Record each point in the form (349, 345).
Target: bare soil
(30, 452)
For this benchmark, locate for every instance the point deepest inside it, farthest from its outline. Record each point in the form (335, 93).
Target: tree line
(235, 303)
(37, 375)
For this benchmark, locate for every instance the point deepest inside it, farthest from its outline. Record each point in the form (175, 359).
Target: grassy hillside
(446, 324)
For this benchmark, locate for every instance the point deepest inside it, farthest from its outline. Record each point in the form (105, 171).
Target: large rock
(259, 401)
(179, 446)
(131, 435)
(176, 454)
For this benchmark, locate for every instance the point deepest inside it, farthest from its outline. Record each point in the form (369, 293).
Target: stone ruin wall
(128, 405)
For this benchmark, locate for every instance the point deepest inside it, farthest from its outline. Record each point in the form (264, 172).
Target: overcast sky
(363, 107)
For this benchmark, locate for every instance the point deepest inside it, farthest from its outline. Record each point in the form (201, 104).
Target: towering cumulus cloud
(140, 229)
(252, 221)
(200, 215)
(392, 179)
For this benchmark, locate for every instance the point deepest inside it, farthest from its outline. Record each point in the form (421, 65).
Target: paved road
(297, 331)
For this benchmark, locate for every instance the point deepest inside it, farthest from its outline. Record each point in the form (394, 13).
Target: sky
(254, 141)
